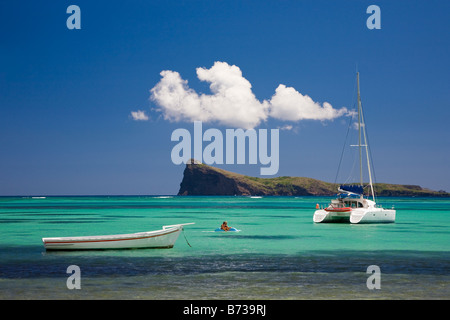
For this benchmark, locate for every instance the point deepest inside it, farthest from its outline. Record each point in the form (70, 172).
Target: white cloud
(286, 127)
(139, 115)
(232, 101)
(355, 125)
(289, 104)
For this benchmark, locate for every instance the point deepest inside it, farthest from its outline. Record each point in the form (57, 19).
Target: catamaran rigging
(350, 205)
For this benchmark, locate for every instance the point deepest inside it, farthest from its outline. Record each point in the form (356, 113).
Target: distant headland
(202, 179)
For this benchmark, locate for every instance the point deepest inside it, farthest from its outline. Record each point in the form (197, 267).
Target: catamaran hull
(374, 215)
(165, 238)
(330, 217)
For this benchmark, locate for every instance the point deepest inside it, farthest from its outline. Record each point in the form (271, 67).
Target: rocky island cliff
(201, 179)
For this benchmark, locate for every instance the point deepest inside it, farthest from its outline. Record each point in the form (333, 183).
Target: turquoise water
(279, 254)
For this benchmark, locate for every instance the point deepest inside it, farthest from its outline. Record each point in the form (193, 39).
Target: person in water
(225, 226)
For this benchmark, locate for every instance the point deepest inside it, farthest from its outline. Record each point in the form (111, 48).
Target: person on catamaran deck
(225, 226)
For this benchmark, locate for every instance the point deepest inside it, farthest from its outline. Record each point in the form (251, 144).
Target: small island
(204, 180)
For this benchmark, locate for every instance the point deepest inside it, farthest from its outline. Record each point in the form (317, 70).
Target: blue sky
(66, 95)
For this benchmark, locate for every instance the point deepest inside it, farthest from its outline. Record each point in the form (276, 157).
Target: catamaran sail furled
(350, 206)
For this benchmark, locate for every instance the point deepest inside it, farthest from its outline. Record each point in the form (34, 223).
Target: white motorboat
(350, 205)
(164, 238)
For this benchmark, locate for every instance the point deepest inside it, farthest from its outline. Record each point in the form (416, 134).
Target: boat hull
(164, 238)
(331, 216)
(356, 216)
(373, 215)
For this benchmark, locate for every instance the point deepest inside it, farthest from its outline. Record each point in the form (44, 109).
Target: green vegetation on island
(201, 179)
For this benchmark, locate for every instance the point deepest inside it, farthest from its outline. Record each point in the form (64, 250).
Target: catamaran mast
(361, 121)
(359, 132)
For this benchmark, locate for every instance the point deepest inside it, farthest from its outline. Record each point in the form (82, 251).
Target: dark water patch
(400, 223)
(42, 219)
(33, 262)
(6, 221)
(190, 211)
(73, 221)
(63, 214)
(437, 226)
(126, 216)
(19, 212)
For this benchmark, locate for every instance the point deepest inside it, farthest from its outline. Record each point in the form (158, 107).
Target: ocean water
(278, 254)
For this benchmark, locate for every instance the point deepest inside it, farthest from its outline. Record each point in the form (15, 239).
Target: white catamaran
(350, 204)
